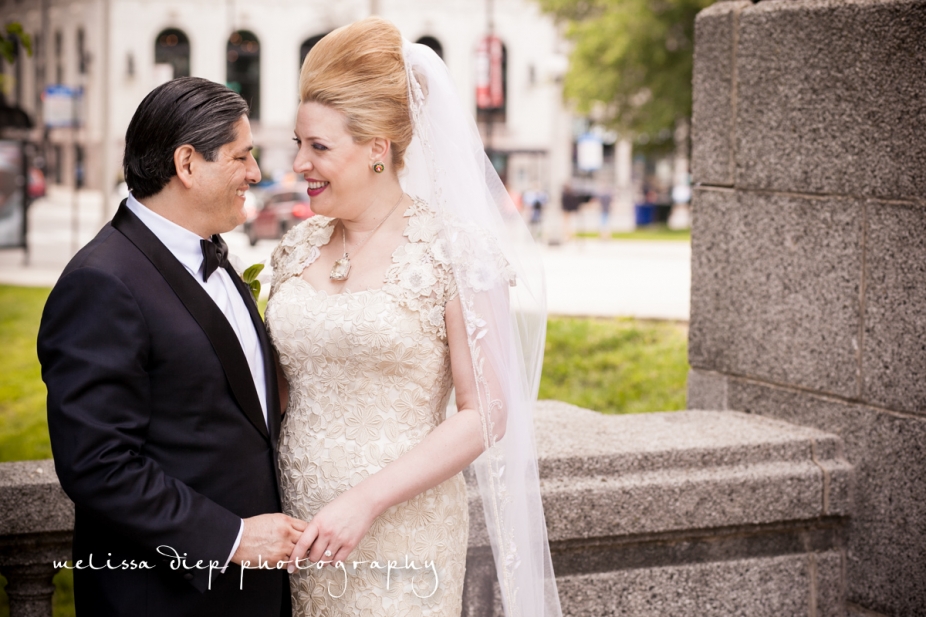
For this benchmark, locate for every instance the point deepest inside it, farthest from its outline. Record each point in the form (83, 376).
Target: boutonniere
(249, 276)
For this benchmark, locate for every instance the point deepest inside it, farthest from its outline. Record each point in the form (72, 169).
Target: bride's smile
(338, 168)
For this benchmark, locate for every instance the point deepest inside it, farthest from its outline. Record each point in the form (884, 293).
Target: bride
(411, 281)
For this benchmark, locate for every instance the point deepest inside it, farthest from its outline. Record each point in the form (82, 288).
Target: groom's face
(221, 185)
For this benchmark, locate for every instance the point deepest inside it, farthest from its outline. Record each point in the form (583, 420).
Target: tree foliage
(631, 60)
(12, 37)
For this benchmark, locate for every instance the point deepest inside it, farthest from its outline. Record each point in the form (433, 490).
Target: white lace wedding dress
(369, 377)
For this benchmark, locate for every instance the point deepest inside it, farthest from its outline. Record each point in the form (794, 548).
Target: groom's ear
(183, 164)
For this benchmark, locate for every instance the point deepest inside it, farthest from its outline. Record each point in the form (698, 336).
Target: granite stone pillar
(36, 524)
(808, 294)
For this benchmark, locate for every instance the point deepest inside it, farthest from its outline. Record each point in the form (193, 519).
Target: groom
(162, 400)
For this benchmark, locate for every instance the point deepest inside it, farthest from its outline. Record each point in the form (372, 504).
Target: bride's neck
(378, 206)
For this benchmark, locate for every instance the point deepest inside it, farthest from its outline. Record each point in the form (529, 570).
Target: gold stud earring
(379, 167)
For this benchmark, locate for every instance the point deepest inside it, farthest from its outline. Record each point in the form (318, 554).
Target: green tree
(631, 60)
(9, 36)
(13, 39)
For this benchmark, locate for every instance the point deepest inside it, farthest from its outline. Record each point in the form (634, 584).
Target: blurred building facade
(116, 51)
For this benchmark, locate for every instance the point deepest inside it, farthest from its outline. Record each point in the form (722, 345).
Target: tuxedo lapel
(204, 311)
(270, 374)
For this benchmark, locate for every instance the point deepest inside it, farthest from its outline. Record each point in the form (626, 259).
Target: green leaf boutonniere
(249, 276)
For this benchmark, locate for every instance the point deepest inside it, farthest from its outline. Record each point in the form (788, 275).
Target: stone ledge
(632, 502)
(32, 498)
(669, 514)
(775, 587)
(626, 475)
(728, 459)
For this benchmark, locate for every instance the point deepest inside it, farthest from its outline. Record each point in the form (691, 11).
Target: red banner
(490, 90)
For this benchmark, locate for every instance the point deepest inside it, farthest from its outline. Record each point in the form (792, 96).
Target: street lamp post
(106, 133)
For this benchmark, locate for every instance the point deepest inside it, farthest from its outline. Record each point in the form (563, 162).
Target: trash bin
(644, 214)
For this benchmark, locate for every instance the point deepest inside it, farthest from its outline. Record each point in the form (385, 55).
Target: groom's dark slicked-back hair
(187, 110)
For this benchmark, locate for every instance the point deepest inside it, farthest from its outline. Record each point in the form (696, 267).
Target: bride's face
(337, 168)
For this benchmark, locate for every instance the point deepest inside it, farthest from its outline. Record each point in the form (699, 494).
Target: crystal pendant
(340, 270)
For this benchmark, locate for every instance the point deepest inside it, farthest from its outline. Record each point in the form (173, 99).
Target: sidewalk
(630, 278)
(643, 279)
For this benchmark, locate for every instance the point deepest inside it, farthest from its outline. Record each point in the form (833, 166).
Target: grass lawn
(650, 232)
(609, 365)
(23, 428)
(616, 365)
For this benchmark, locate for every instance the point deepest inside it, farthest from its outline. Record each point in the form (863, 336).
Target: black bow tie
(215, 255)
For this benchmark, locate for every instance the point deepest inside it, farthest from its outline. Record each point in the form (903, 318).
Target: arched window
(243, 68)
(307, 46)
(173, 47)
(434, 44)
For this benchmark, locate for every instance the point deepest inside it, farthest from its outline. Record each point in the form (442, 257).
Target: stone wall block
(894, 362)
(678, 499)
(839, 487)
(838, 475)
(712, 91)
(775, 291)
(710, 341)
(885, 560)
(667, 472)
(830, 584)
(578, 443)
(831, 97)
(706, 390)
(775, 587)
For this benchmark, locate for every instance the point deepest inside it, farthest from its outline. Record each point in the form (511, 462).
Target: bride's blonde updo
(359, 71)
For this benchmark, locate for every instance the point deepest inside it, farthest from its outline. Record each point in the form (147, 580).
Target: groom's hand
(269, 538)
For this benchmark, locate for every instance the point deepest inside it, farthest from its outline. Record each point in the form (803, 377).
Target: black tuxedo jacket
(157, 432)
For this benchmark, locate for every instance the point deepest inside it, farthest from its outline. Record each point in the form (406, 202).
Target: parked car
(36, 183)
(280, 208)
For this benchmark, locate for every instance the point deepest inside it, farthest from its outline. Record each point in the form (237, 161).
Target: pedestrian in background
(604, 198)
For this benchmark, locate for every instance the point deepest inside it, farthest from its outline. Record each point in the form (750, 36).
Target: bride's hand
(336, 530)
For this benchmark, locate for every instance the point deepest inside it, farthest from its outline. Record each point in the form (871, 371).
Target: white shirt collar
(181, 242)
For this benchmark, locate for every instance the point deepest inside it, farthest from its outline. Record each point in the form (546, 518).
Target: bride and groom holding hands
(167, 392)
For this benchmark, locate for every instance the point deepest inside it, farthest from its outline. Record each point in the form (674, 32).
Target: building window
(243, 68)
(59, 67)
(80, 167)
(38, 62)
(307, 46)
(20, 54)
(491, 81)
(58, 162)
(434, 44)
(81, 53)
(173, 47)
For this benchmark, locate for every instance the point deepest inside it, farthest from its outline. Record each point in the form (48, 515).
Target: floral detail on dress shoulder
(421, 277)
(299, 248)
(479, 260)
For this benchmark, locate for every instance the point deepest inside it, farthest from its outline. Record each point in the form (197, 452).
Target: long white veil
(499, 278)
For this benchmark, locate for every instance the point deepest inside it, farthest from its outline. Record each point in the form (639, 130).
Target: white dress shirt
(185, 246)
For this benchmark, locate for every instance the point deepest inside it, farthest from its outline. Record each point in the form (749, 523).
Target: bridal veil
(499, 279)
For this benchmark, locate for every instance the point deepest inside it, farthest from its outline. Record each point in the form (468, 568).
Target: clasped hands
(330, 536)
